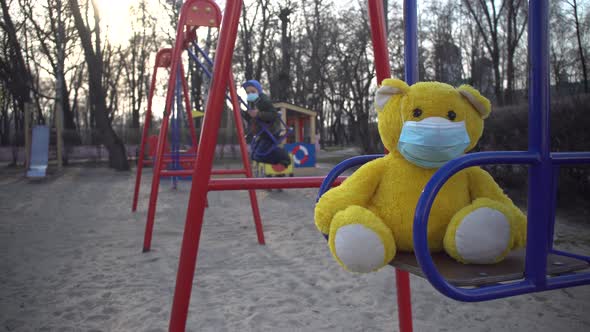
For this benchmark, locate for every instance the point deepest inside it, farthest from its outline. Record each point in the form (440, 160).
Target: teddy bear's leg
(360, 241)
(481, 233)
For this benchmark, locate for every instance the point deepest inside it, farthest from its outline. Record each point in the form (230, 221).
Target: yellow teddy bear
(370, 216)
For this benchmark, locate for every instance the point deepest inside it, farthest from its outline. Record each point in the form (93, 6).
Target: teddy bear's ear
(389, 88)
(481, 104)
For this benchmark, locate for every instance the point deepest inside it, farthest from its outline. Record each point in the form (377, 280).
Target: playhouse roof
(295, 108)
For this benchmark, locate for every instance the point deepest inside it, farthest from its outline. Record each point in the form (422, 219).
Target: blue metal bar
(263, 127)
(421, 222)
(411, 41)
(570, 280)
(541, 184)
(569, 254)
(210, 62)
(203, 53)
(176, 129)
(199, 63)
(540, 174)
(543, 177)
(570, 158)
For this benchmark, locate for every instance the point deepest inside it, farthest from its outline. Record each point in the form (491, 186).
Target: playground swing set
(177, 163)
(539, 268)
(256, 129)
(171, 160)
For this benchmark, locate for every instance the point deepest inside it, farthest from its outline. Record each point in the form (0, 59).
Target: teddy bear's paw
(482, 236)
(360, 241)
(359, 248)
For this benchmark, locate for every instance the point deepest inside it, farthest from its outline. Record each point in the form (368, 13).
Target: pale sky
(116, 25)
(115, 17)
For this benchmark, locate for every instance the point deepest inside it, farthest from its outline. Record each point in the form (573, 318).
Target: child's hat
(253, 83)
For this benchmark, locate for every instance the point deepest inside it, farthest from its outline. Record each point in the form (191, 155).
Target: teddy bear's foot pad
(483, 236)
(359, 248)
(474, 275)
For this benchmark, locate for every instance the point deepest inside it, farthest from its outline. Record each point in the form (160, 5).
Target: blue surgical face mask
(432, 142)
(252, 96)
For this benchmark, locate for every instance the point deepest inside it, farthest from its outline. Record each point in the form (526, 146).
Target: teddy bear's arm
(483, 185)
(356, 190)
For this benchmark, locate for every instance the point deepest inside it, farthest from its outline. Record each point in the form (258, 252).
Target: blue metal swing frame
(263, 126)
(175, 134)
(543, 170)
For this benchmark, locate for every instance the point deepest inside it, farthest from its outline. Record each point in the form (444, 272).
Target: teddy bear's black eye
(452, 115)
(417, 112)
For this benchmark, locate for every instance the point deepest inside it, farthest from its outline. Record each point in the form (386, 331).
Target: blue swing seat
(485, 280)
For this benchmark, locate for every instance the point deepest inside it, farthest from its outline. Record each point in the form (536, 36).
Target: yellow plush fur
(382, 194)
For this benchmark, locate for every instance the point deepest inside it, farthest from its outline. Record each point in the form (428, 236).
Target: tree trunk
(261, 50)
(21, 80)
(580, 47)
(497, 75)
(246, 37)
(510, 53)
(283, 75)
(5, 130)
(106, 134)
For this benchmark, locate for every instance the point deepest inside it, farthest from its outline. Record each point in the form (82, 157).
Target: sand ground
(70, 260)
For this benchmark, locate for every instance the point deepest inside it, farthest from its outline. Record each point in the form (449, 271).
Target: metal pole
(189, 114)
(144, 135)
(541, 197)
(27, 132)
(59, 102)
(383, 69)
(411, 42)
(204, 163)
(245, 160)
(175, 60)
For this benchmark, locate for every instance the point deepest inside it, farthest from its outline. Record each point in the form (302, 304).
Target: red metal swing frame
(195, 14)
(163, 59)
(202, 182)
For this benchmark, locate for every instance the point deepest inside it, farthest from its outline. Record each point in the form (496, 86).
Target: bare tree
(489, 28)
(97, 91)
(280, 89)
(558, 58)
(516, 23)
(141, 44)
(246, 38)
(446, 57)
(16, 77)
(13, 70)
(574, 12)
(57, 41)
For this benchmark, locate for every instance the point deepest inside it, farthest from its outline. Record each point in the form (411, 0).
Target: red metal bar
(188, 172)
(146, 128)
(383, 69)
(379, 38)
(404, 300)
(269, 183)
(162, 141)
(187, 105)
(301, 129)
(228, 171)
(169, 160)
(245, 160)
(205, 155)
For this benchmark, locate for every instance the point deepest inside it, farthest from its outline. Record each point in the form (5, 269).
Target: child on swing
(260, 107)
